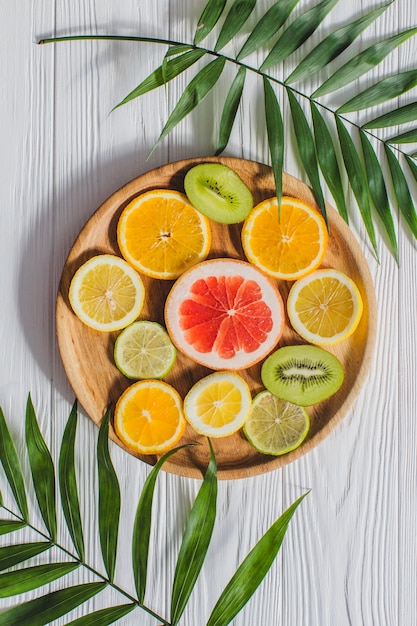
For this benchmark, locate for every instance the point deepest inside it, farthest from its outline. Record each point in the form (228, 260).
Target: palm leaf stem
(88, 567)
(229, 59)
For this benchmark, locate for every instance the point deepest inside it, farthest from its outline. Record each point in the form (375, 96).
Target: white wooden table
(349, 558)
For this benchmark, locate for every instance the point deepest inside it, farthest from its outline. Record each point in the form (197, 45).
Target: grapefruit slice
(224, 314)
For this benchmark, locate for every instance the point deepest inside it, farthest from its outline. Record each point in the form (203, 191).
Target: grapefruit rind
(224, 321)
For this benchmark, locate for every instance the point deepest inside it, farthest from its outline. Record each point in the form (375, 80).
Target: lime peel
(144, 350)
(275, 426)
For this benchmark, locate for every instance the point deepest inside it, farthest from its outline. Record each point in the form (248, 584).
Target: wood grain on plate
(87, 355)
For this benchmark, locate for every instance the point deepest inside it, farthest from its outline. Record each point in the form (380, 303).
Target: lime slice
(144, 350)
(275, 426)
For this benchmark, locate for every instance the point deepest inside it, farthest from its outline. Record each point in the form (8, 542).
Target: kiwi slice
(303, 375)
(218, 193)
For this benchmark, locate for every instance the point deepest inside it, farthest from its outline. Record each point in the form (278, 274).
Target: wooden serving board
(87, 355)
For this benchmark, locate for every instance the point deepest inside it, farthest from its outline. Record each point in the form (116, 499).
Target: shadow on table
(46, 243)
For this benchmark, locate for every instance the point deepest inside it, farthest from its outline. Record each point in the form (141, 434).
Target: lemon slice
(149, 417)
(144, 350)
(106, 293)
(325, 307)
(218, 404)
(161, 234)
(287, 246)
(275, 426)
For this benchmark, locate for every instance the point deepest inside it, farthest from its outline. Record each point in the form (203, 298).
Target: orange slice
(224, 314)
(325, 307)
(149, 417)
(161, 234)
(289, 247)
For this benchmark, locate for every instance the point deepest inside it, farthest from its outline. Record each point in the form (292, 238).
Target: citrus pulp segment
(224, 314)
(106, 293)
(144, 350)
(275, 426)
(149, 417)
(325, 307)
(286, 243)
(218, 405)
(161, 234)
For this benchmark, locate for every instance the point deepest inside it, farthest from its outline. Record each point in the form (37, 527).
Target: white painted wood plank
(26, 189)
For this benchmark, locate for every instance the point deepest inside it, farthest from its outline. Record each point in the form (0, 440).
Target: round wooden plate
(87, 355)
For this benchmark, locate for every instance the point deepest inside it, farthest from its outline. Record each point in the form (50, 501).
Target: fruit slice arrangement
(225, 314)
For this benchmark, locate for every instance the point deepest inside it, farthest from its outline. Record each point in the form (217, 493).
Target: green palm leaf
(15, 554)
(384, 90)
(412, 165)
(275, 132)
(24, 580)
(408, 137)
(195, 541)
(177, 49)
(267, 26)
(402, 115)
(208, 19)
(402, 191)
(43, 472)
(10, 526)
(307, 150)
(327, 158)
(142, 527)
(164, 74)
(108, 499)
(252, 571)
(68, 484)
(334, 44)
(230, 108)
(363, 62)
(237, 16)
(12, 468)
(378, 191)
(194, 93)
(47, 608)
(103, 617)
(297, 33)
(357, 180)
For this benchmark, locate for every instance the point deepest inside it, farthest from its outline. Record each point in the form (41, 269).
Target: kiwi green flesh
(303, 375)
(218, 193)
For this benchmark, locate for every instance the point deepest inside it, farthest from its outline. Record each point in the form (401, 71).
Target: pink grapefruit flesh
(224, 313)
